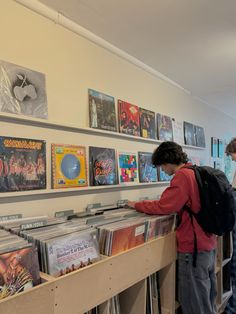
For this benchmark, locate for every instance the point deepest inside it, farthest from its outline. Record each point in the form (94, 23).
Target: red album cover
(129, 122)
(127, 238)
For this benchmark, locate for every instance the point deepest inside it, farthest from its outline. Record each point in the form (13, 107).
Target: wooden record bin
(125, 273)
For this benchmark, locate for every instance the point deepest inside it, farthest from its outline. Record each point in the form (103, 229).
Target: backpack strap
(195, 250)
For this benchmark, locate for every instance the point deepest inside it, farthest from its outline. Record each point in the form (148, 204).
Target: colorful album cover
(22, 164)
(102, 166)
(73, 251)
(178, 131)
(189, 134)
(147, 172)
(69, 167)
(220, 148)
(214, 147)
(164, 128)
(22, 91)
(102, 113)
(162, 176)
(129, 122)
(127, 238)
(128, 167)
(19, 271)
(200, 136)
(147, 123)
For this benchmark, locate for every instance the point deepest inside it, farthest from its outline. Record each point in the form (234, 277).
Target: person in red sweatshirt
(196, 283)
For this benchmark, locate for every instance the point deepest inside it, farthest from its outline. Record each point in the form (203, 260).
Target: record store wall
(72, 64)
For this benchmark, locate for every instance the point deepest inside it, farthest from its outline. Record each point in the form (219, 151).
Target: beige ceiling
(192, 42)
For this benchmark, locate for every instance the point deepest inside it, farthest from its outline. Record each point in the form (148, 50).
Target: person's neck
(178, 167)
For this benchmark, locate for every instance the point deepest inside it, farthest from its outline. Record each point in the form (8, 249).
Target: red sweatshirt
(183, 190)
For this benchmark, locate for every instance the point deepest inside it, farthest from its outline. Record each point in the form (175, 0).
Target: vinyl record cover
(147, 172)
(128, 237)
(214, 147)
(69, 167)
(22, 91)
(220, 148)
(162, 176)
(200, 136)
(189, 134)
(102, 114)
(72, 251)
(22, 164)
(102, 166)
(129, 122)
(164, 128)
(147, 123)
(128, 168)
(178, 131)
(19, 271)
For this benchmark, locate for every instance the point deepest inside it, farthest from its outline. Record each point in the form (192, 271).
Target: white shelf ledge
(81, 190)
(7, 117)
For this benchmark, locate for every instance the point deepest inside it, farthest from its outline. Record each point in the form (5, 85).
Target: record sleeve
(22, 164)
(214, 147)
(72, 251)
(69, 168)
(178, 131)
(189, 134)
(19, 271)
(102, 114)
(102, 166)
(200, 136)
(147, 172)
(127, 167)
(147, 123)
(22, 91)
(129, 122)
(164, 128)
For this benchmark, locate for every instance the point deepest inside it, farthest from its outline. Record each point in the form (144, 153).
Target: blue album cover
(163, 176)
(214, 147)
(147, 172)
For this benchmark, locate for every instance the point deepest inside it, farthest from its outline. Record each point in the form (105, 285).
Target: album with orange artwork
(69, 167)
(127, 167)
(19, 270)
(127, 237)
(129, 122)
(22, 164)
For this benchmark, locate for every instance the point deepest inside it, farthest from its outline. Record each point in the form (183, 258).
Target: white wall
(72, 64)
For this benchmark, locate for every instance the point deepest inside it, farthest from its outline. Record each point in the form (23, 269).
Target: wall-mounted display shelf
(82, 190)
(12, 118)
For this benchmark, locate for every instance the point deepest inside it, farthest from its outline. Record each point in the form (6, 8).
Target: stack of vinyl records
(19, 267)
(65, 247)
(153, 300)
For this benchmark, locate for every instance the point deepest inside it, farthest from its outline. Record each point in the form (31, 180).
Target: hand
(131, 204)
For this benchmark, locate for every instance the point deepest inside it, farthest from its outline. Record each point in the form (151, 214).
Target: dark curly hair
(169, 153)
(231, 147)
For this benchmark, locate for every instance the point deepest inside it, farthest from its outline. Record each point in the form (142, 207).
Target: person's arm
(172, 200)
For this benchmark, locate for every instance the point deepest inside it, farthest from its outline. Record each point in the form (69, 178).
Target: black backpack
(217, 213)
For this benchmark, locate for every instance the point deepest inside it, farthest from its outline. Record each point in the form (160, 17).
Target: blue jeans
(197, 285)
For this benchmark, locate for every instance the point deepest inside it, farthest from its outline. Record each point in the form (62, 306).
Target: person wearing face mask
(196, 283)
